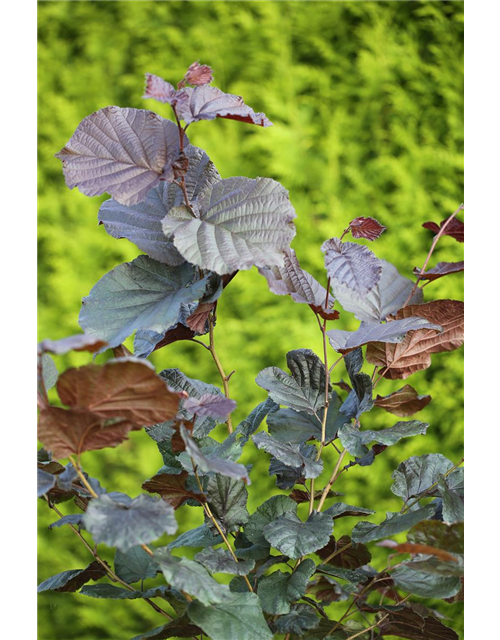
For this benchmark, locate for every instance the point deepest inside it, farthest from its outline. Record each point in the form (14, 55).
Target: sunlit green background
(366, 100)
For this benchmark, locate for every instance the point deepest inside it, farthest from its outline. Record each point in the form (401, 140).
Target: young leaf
(390, 332)
(295, 538)
(291, 455)
(304, 390)
(191, 577)
(207, 103)
(210, 405)
(415, 626)
(394, 523)
(218, 465)
(440, 270)
(414, 476)
(238, 617)
(134, 565)
(355, 440)
(455, 228)
(387, 297)
(349, 555)
(142, 294)
(123, 522)
(159, 89)
(242, 223)
(228, 501)
(426, 585)
(367, 228)
(268, 512)
(72, 580)
(278, 591)
(351, 264)
(124, 152)
(141, 223)
(403, 402)
(290, 279)
(172, 488)
(197, 74)
(414, 352)
(221, 561)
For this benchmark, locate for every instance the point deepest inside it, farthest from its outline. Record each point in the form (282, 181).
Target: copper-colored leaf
(299, 495)
(125, 388)
(440, 270)
(398, 361)
(349, 555)
(410, 624)
(79, 342)
(455, 229)
(410, 547)
(367, 228)
(198, 74)
(197, 321)
(172, 488)
(105, 402)
(403, 402)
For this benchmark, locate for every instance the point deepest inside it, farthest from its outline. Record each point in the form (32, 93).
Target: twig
(336, 552)
(431, 251)
(218, 364)
(333, 477)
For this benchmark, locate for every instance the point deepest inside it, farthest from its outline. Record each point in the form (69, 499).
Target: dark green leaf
(352, 576)
(228, 500)
(341, 510)
(74, 579)
(238, 618)
(426, 585)
(394, 523)
(304, 390)
(221, 561)
(439, 534)
(178, 628)
(291, 455)
(453, 502)
(355, 440)
(134, 565)
(278, 591)
(255, 418)
(299, 619)
(123, 522)
(74, 519)
(246, 550)
(268, 512)
(414, 476)
(295, 538)
(201, 536)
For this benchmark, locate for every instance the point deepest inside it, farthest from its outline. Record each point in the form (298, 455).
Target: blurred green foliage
(367, 104)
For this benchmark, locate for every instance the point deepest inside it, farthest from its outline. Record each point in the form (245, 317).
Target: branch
(218, 364)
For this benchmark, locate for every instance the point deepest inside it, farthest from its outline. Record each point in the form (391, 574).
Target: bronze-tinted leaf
(105, 402)
(79, 342)
(198, 74)
(354, 556)
(367, 228)
(403, 402)
(455, 229)
(398, 361)
(439, 534)
(414, 548)
(409, 624)
(172, 488)
(440, 270)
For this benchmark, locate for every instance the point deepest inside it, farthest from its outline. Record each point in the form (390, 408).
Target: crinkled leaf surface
(268, 512)
(414, 476)
(291, 455)
(455, 228)
(201, 536)
(221, 561)
(295, 538)
(390, 332)
(304, 390)
(367, 228)
(279, 590)
(426, 585)
(159, 89)
(387, 297)
(242, 223)
(239, 617)
(191, 577)
(123, 152)
(403, 402)
(134, 565)
(453, 501)
(394, 523)
(413, 353)
(207, 103)
(123, 522)
(142, 294)
(355, 440)
(142, 223)
(410, 624)
(300, 618)
(228, 501)
(352, 265)
(72, 580)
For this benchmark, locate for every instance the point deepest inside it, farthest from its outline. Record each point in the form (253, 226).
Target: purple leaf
(207, 103)
(198, 74)
(367, 228)
(455, 228)
(394, 331)
(352, 264)
(440, 270)
(210, 405)
(123, 152)
(159, 89)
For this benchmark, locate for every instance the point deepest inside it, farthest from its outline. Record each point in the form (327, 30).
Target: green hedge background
(367, 104)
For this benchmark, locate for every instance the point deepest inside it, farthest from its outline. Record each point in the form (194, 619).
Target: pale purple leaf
(208, 103)
(242, 223)
(394, 331)
(79, 342)
(351, 264)
(123, 152)
(210, 405)
(440, 270)
(198, 74)
(159, 89)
